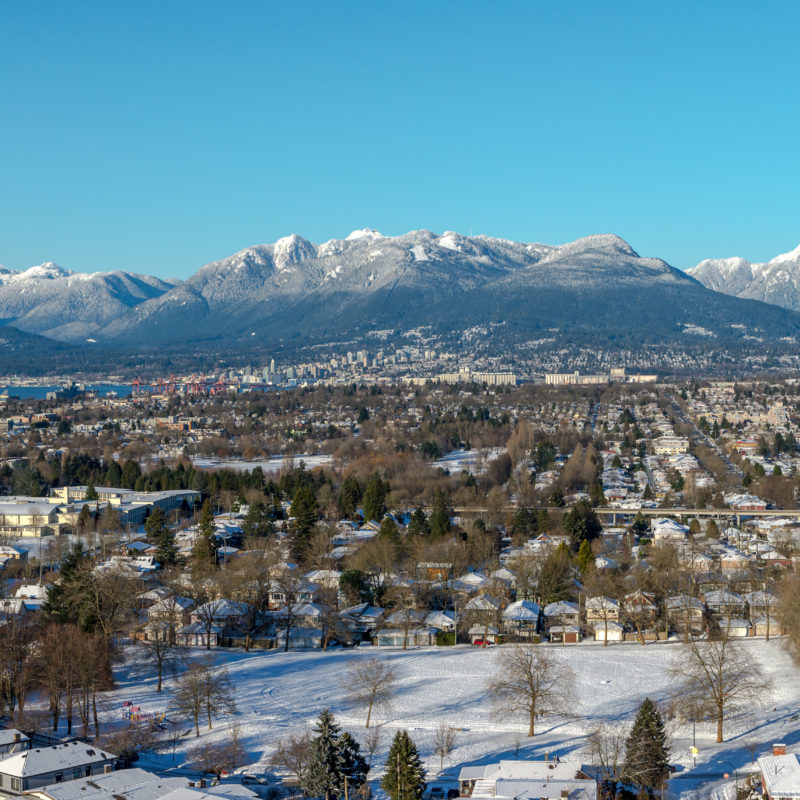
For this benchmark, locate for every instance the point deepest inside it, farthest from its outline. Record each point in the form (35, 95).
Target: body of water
(41, 392)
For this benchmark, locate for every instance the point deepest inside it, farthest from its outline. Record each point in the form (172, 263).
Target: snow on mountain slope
(777, 281)
(56, 302)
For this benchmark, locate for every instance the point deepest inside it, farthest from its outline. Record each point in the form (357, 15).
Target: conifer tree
(323, 776)
(354, 767)
(585, 556)
(205, 547)
(375, 498)
(646, 752)
(404, 778)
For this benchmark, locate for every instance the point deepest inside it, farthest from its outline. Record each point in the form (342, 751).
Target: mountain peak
(290, 250)
(364, 233)
(793, 255)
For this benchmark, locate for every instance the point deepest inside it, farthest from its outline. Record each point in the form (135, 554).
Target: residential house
(13, 741)
(521, 619)
(33, 768)
(685, 614)
(545, 780)
(780, 774)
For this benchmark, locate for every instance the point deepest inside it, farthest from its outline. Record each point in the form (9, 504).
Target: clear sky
(158, 136)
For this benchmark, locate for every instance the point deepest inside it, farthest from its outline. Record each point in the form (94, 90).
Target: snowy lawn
(278, 693)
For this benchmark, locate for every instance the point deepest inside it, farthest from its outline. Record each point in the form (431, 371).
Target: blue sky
(156, 136)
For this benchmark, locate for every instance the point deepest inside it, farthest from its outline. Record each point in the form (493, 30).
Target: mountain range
(776, 281)
(294, 293)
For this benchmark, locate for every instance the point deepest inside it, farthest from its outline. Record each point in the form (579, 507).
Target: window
(15, 784)
(59, 777)
(76, 773)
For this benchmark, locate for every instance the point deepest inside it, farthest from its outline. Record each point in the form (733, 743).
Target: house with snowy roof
(551, 779)
(780, 774)
(33, 768)
(522, 619)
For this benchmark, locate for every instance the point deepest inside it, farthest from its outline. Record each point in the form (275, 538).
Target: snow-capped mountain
(776, 281)
(56, 302)
(295, 290)
(294, 293)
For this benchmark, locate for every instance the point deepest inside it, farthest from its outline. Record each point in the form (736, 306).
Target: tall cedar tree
(68, 599)
(354, 766)
(404, 778)
(304, 511)
(375, 498)
(349, 497)
(581, 523)
(205, 547)
(323, 775)
(646, 752)
(161, 535)
(440, 518)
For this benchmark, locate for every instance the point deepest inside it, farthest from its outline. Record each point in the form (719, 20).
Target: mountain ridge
(295, 293)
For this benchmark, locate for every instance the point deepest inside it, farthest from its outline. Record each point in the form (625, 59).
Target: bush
(445, 639)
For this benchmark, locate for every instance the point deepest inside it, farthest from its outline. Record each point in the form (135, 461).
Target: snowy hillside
(776, 281)
(56, 302)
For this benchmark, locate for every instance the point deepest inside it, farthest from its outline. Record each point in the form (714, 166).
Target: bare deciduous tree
(203, 689)
(371, 683)
(161, 649)
(718, 677)
(607, 746)
(292, 754)
(531, 681)
(444, 739)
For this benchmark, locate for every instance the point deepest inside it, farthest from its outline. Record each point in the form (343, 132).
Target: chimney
(202, 783)
(17, 737)
(564, 794)
(779, 749)
(190, 784)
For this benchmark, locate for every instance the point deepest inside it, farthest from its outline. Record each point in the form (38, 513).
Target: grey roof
(135, 784)
(43, 760)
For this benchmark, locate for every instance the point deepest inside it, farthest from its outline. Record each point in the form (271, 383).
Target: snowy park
(280, 693)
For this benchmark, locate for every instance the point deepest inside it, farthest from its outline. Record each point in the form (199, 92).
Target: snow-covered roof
(136, 784)
(561, 607)
(44, 760)
(522, 610)
(781, 775)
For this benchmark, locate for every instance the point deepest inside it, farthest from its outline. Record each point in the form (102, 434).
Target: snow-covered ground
(278, 693)
(273, 464)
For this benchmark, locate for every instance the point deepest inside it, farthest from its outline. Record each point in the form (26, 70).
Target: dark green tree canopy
(646, 752)
(404, 778)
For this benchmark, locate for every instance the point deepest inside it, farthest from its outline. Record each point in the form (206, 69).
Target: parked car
(253, 780)
(452, 793)
(436, 793)
(481, 643)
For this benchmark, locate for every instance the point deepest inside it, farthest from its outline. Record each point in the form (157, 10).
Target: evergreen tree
(348, 498)
(375, 498)
(257, 521)
(354, 766)
(162, 536)
(113, 474)
(440, 518)
(204, 551)
(646, 752)
(581, 522)
(418, 524)
(91, 492)
(404, 778)
(323, 774)
(304, 511)
(388, 531)
(585, 557)
(68, 599)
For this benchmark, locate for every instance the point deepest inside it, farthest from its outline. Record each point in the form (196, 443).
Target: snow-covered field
(273, 464)
(278, 693)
